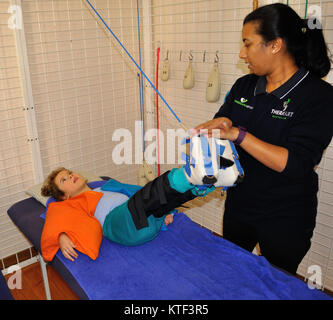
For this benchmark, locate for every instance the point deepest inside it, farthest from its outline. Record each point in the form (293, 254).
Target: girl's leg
(158, 197)
(134, 222)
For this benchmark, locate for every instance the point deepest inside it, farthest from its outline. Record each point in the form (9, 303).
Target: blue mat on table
(186, 262)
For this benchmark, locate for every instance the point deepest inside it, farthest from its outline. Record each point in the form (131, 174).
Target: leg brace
(157, 198)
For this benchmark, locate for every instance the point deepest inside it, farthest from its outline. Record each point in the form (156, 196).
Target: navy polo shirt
(298, 116)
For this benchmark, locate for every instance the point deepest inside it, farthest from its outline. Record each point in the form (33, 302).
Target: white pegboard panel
(16, 167)
(84, 86)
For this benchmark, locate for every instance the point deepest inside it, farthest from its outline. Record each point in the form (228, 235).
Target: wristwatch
(241, 135)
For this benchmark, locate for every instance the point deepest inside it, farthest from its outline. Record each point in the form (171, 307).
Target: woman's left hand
(218, 128)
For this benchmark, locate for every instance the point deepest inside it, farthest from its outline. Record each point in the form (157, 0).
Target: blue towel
(116, 186)
(188, 262)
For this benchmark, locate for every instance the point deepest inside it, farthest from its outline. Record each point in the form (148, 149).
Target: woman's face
(70, 183)
(255, 52)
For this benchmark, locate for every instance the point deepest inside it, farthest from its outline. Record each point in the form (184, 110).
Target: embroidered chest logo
(282, 114)
(242, 103)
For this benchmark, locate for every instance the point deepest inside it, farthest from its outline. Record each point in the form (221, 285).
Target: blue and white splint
(212, 161)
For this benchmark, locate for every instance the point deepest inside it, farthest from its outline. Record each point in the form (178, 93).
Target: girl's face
(70, 183)
(255, 52)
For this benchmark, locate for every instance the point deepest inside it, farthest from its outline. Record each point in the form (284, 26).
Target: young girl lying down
(81, 216)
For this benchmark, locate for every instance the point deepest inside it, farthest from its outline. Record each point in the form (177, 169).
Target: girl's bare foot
(168, 219)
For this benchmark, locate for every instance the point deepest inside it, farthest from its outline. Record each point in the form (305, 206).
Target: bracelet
(241, 135)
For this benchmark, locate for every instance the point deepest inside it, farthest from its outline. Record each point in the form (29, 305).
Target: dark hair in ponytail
(306, 45)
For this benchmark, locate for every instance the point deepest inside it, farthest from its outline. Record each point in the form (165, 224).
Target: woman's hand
(218, 128)
(67, 247)
(272, 156)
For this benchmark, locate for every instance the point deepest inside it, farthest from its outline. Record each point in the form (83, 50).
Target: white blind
(84, 87)
(321, 251)
(16, 168)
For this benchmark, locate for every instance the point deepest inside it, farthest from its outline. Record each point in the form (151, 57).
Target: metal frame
(28, 98)
(43, 265)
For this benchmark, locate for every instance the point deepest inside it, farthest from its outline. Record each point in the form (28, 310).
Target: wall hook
(190, 57)
(216, 57)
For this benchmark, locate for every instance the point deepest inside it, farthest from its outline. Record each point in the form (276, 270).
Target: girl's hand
(67, 247)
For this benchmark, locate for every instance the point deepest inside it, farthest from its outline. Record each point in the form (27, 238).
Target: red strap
(157, 116)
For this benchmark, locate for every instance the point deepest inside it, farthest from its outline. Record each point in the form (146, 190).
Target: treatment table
(184, 262)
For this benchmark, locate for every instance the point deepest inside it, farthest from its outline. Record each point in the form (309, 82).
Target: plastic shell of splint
(212, 161)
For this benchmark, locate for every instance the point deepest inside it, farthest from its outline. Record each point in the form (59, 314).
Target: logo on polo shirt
(282, 114)
(242, 102)
(285, 105)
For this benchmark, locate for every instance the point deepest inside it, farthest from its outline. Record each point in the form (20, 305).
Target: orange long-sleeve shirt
(75, 217)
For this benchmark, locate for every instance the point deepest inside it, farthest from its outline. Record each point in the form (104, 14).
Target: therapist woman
(280, 117)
